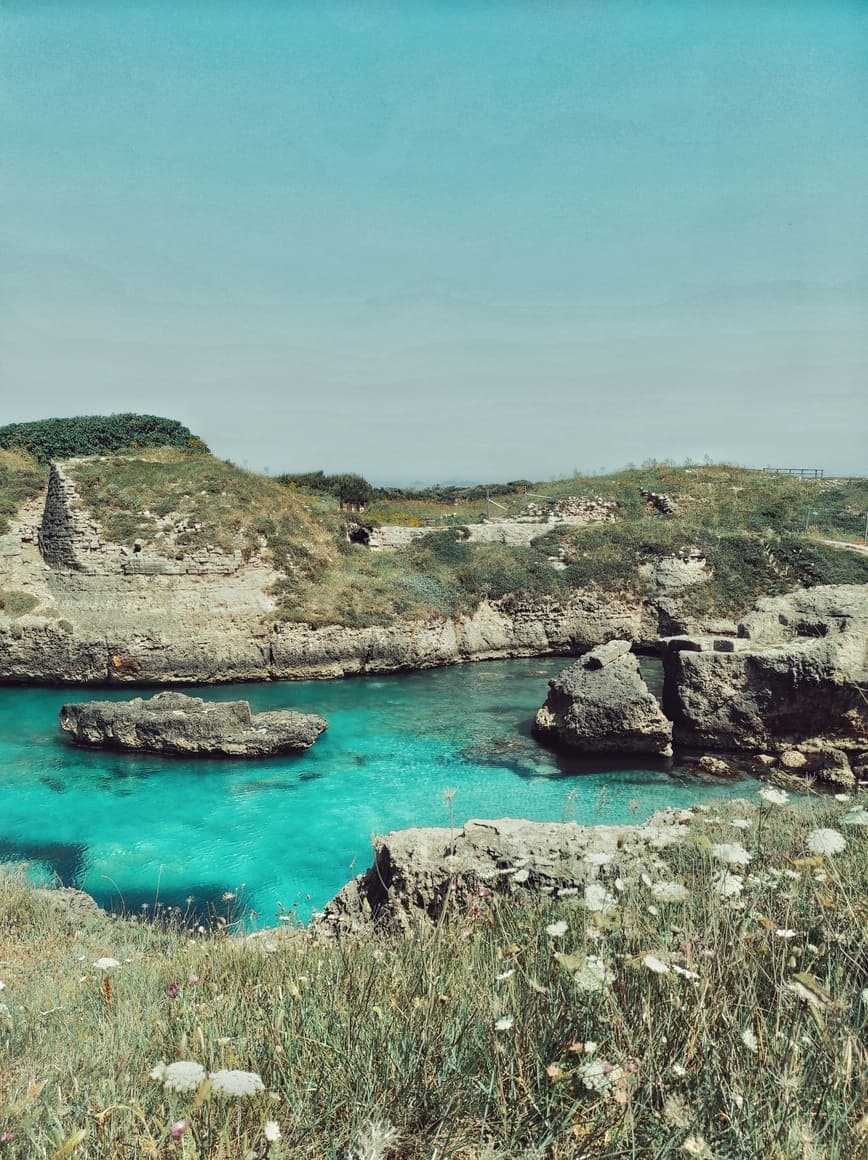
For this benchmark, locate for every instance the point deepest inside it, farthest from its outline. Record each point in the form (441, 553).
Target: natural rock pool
(286, 833)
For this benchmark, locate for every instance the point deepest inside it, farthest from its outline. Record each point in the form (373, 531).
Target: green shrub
(97, 435)
(15, 604)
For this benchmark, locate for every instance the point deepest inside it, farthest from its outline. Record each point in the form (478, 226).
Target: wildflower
(669, 891)
(593, 975)
(271, 1131)
(2, 985)
(504, 975)
(824, 841)
(683, 971)
(597, 858)
(504, 1023)
(600, 1076)
(231, 1082)
(228, 895)
(6, 1137)
(741, 823)
(598, 898)
(568, 891)
(173, 989)
(590, 1047)
(192, 980)
(656, 965)
(679, 1070)
(6, 1023)
(184, 1075)
(521, 876)
(781, 933)
(179, 1128)
(373, 1141)
(730, 853)
(774, 797)
(842, 797)
(677, 1112)
(556, 929)
(106, 963)
(727, 885)
(696, 1146)
(750, 1040)
(855, 816)
(555, 1071)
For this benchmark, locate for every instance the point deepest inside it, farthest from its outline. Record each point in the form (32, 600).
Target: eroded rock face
(601, 704)
(417, 873)
(172, 723)
(798, 676)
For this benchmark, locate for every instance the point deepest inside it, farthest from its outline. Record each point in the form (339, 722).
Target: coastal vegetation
(96, 435)
(719, 1009)
(760, 533)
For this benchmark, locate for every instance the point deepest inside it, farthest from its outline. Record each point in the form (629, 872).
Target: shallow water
(285, 834)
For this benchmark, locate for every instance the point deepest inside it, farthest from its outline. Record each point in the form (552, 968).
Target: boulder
(419, 874)
(172, 723)
(601, 704)
(798, 675)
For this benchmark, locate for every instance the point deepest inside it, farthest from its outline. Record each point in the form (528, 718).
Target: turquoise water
(285, 834)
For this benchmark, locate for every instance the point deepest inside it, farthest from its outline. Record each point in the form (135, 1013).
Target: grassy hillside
(751, 527)
(728, 1021)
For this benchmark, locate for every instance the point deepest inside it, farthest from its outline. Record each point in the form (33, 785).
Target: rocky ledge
(417, 874)
(601, 704)
(172, 723)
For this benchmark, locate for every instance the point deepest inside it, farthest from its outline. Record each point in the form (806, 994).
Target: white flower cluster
(594, 975)
(824, 841)
(730, 853)
(231, 1082)
(599, 1076)
(184, 1075)
(669, 891)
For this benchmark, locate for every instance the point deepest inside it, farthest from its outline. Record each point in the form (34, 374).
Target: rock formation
(172, 723)
(417, 873)
(601, 704)
(799, 676)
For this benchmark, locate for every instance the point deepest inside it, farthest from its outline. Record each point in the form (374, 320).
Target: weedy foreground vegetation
(719, 1011)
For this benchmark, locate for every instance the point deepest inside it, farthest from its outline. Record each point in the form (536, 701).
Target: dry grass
(750, 1043)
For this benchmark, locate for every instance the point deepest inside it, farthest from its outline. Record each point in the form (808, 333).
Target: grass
(751, 527)
(20, 480)
(757, 1051)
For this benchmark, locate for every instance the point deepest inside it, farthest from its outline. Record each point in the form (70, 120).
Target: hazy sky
(442, 240)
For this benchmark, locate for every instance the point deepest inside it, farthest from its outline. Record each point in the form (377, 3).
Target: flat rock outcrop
(798, 676)
(172, 723)
(601, 704)
(417, 873)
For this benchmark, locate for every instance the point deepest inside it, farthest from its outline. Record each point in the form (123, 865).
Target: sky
(442, 241)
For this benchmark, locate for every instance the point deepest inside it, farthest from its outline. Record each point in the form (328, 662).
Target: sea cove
(285, 834)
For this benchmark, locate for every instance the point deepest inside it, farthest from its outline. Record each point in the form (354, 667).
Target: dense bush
(347, 487)
(96, 435)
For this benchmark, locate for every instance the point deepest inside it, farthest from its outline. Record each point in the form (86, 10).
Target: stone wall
(71, 540)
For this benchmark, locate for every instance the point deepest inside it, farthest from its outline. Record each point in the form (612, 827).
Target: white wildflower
(741, 823)
(504, 1023)
(504, 975)
(646, 878)
(727, 885)
(684, 972)
(774, 797)
(656, 965)
(373, 1141)
(679, 1070)
(696, 1146)
(730, 853)
(556, 929)
(597, 858)
(750, 1040)
(842, 797)
(824, 841)
(783, 933)
(185, 1075)
(669, 891)
(2, 985)
(599, 1076)
(521, 876)
(271, 1131)
(855, 816)
(598, 898)
(231, 1082)
(590, 1047)
(594, 975)
(568, 891)
(106, 963)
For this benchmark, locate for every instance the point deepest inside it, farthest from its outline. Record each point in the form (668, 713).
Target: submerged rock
(601, 704)
(176, 724)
